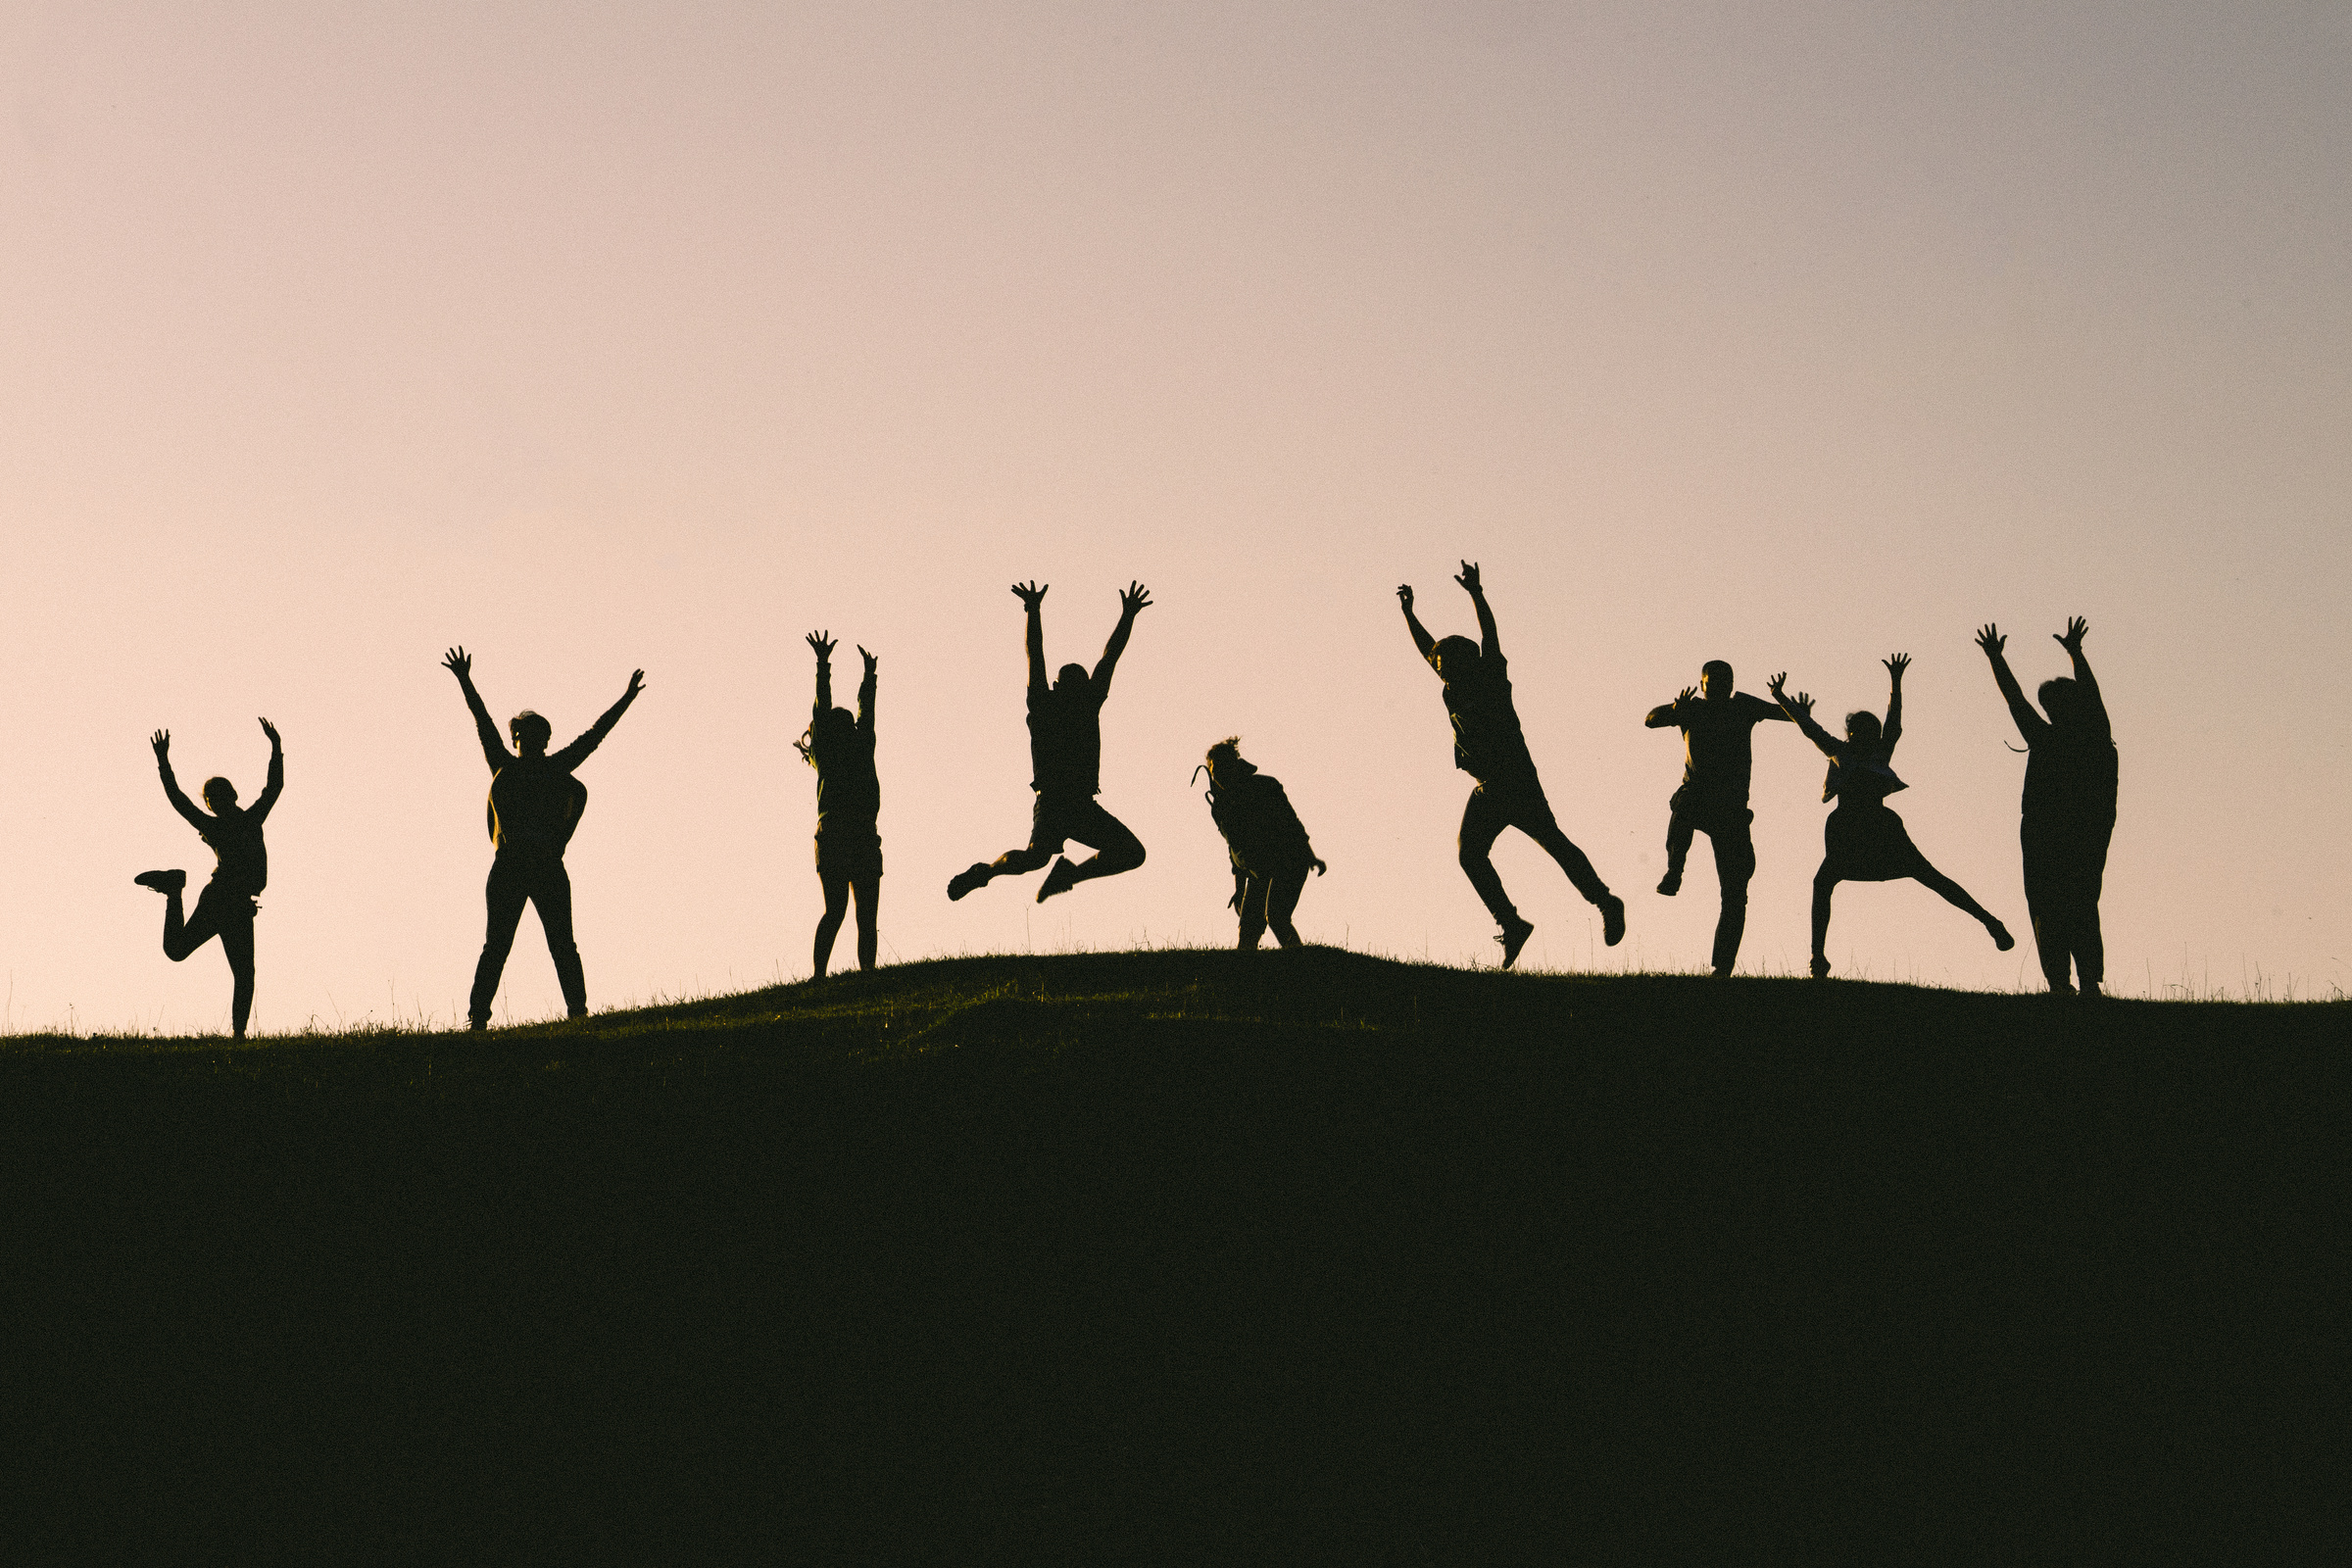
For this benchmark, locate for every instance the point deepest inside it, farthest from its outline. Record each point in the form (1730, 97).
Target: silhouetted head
(1226, 765)
(1863, 726)
(1456, 657)
(1715, 681)
(1072, 678)
(220, 793)
(2058, 698)
(530, 732)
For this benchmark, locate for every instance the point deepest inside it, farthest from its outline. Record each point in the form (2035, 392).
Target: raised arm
(161, 740)
(1892, 730)
(1031, 596)
(1134, 602)
(2094, 707)
(1489, 643)
(865, 694)
(823, 645)
(2029, 724)
(1421, 638)
(494, 750)
(1666, 714)
(270, 791)
(572, 756)
(1800, 709)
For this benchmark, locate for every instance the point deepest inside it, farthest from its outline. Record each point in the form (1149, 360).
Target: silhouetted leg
(1735, 864)
(551, 893)
(183, 937)
(2052, 944)
(869, 913)
(1015, 863)
(1957, 896)
(1544, 829)
(1253, 912)
(828, 924)
(236, 941)
(1678, 829)
(1825, 882)
(1282, 897)
(1483, 822)
(1115, 849)
(2090, 943)
(505, 895)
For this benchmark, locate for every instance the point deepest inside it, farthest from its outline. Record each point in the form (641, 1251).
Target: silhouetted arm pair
(494, 749)
(572, 756)
(1131, 603)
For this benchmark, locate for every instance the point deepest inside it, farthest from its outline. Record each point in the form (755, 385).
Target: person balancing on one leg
(840, 746)
(1717, 728)
(535, 804)
(1487, 745)
(2068, 813)
(1265, 839)
(1863, 841)
(1065, 755)
(226, 907)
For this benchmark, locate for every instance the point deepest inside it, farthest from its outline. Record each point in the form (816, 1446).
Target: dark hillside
(1194, 1255)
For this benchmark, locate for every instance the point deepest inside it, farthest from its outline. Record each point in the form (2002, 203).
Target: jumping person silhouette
(849, 800)
(1265, 841)
(535, 804)
(226, 907)
(1863, 840)
(2068, 813)
(1717, 728)
(1065, 760)
(1489, 746)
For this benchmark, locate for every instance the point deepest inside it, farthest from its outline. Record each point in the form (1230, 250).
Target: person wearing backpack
(1265, 839)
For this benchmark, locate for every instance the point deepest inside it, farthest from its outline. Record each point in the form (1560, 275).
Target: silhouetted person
(1717, 728)
(2068, 808)
(840, 746)
(535, 804)
(1065, 761)
(226, 908)
(1864, 839)
(1489, 746)
(1265, 839)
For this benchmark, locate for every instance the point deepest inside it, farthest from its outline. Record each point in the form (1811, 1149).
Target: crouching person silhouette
(1864, 841)
(1265, 839)
(2068, 813)
(1066, 759)
(840, 746)
(1718, 725)
(535, 804)
(1489, 747)
(226, 907)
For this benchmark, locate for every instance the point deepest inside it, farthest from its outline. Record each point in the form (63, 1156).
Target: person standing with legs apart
(1066, 759)
(1718, 725)
(226, 907)
(1863, 840)
(1264, 839)
(535, 804)
(2068, 813)
(840, 746)
(1489, 746)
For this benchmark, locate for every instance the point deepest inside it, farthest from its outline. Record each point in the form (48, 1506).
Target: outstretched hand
(1029, 593)
(1404, 596)
(1989, 638)
(460, 663)
(271, 731)
(1896, 665)
(1137, 597)
(2077, 628)
(824, 644)
(1468, 577)
(1684, 695)
(636, 685)
(869, 659)
(161, 740)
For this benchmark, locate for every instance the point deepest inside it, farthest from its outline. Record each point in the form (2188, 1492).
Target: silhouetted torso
(1262, 831)
(535, 803)
(2071, 776)
(1861, 774)
(1487, 744)
(1065, 740)
(849, 794)
(1719, 745)
(235, 839)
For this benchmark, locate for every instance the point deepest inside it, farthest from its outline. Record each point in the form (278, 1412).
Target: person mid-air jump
(2068, 813)
(1863, 841)
(1065, 757)
(1718, 725)
(1265, 841)
(1487, 744)
(840, 746)
(535, 804)
(226, 907)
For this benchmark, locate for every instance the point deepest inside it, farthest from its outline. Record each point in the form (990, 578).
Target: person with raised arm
(840, 746)
(1265, 841)
(1718, 725)
(534, 808)
(1065, 757)
(226, 908)
(1863, 840)
(2067, 816)
(1489, 746)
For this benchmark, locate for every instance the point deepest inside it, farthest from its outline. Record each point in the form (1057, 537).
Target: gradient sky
(614, 335)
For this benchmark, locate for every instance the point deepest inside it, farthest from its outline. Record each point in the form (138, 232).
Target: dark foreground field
(1194, 1257)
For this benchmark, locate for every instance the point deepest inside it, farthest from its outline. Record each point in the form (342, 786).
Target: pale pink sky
(603, 336)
